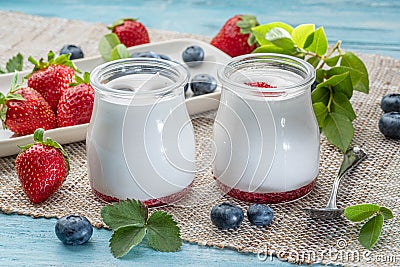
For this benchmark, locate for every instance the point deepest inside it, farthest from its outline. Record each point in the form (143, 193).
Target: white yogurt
(140, 148)
(266, 144)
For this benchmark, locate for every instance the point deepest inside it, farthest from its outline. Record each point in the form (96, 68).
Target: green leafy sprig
(338, 73)
(130, 222)
(13, 64)
(371, 230)
(111, 48)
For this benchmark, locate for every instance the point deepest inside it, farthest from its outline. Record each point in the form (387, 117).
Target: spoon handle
(351, 159)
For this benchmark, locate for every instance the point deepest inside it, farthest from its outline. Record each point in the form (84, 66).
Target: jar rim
(180, 71)
(306, 81)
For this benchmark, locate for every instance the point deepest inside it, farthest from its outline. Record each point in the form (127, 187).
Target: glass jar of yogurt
(140, 140)
(266, 134)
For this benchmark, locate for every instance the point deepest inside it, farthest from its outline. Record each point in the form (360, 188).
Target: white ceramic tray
(213, 59)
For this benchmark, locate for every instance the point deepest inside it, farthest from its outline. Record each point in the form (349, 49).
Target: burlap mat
(292, 236)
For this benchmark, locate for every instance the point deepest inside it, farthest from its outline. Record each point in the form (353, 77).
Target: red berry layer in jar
(150, 202)
(268, 198)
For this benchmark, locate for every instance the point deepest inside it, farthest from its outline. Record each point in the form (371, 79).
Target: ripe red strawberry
(23, 110)
(51, 78)
(235, 36)
(41, 167)
(76, 103)
(130, 32)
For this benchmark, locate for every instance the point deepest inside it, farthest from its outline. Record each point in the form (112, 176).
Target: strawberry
(260, 84)
(130, 32)
(235, 36)
(23, 110)
(41, 167)
(51, 78)
(76, 103)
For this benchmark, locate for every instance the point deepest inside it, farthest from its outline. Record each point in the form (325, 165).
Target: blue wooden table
(366, 26)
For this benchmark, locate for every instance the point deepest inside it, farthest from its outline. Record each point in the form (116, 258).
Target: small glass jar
(266, 134)
(140, 140)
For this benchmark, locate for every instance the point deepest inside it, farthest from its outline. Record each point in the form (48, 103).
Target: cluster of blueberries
(229, 216)
(389, 123)
(193, 56)
(76, 230)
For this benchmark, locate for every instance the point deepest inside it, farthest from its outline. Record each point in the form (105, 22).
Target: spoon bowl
(350, 160)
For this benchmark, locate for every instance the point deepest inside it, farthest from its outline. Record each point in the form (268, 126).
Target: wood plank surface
(367, 26)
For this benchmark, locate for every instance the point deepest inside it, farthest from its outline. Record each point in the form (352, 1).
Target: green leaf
(120, 51)
(341, 105)
(358, 79)
(163, 232)
(271, 48)
(319, 44)
(360, 212)
(339, 130)
(370, 232)
(15, 63)
(106, 45)
(314, 61)
(125, 238)
(124, 213)
(261, 30)
(321, 112)
(340, 83)
(281, 38)
(320, 75)
(321, 94)
(352, 61)
(332, 61)
(301, 33)
(387, 213)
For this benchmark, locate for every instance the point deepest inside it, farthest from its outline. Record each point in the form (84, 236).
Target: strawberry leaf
(79, 80)
(130, 222)
(15, 63)
(163, 232)
(124, 213)
(125, 238)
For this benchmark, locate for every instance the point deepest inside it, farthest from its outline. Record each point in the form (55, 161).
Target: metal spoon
(351, 159)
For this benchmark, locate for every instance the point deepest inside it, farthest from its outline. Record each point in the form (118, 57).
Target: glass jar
(266, 134)
(140, 140)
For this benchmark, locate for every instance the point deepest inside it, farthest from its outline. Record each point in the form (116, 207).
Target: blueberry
(186, 87)
(75, 51)
(391, 102)
(389, 125)
(193, 55)
(260, 214)
(73, 230)
(314, 85)
(203, 84)
(146, 54)
(226, 216)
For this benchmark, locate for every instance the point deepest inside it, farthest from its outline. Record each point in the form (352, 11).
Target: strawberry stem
(38, 139)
